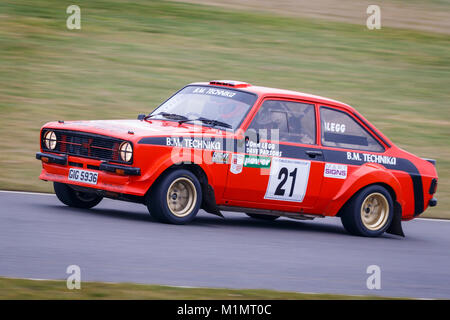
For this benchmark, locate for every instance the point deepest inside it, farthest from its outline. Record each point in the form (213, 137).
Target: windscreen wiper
(171, 116)
(209, 121)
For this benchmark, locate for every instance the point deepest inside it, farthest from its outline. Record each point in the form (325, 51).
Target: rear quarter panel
(336, 193)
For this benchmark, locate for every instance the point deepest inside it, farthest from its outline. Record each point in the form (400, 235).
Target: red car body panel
(409, 178)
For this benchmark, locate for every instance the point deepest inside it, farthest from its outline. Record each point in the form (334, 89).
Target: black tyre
(369, 213)
(76, 199)
(175, 198)
(262, 216)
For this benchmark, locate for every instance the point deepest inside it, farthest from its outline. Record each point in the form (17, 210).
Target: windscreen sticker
(338, 171)
(237, 162)
(288, 180)
(244, 97)
(215, 92)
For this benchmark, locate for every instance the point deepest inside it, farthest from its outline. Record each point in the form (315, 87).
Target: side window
(342, 131)
(286, 121)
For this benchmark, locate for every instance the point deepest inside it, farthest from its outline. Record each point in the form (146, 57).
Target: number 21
(283, 176)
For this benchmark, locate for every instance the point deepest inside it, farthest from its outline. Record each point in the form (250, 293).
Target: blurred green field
(130, 55)
(22, 289)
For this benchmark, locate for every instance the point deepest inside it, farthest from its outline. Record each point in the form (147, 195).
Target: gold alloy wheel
(374, 211)
(181, 197)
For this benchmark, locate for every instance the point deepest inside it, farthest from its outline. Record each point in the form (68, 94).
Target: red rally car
(231, 146)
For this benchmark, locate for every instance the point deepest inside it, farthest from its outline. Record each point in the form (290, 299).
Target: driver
(223, 109)
(273, 117)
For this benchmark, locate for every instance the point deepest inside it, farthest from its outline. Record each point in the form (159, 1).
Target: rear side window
(342, 131)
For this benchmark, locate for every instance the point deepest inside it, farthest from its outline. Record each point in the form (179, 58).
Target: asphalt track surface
(120, 242)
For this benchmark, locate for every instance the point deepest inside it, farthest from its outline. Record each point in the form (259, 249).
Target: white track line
(32, 193)
(52, 194)
(432, 219)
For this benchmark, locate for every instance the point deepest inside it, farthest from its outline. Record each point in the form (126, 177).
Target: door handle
(314, 153)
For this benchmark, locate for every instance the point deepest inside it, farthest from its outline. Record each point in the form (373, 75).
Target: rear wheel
(175, 198)
(369, 213)
(73, 198)
(262, 216)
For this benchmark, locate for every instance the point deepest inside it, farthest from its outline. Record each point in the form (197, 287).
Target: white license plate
(83, 176)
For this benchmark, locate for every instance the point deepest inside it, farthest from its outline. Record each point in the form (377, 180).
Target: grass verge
(57, 289)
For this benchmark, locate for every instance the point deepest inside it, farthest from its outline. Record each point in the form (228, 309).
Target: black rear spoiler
(432, 161)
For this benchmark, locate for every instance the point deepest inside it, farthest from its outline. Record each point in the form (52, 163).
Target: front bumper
(111, 177)
(104, 166)
(128, 171)
(51, 158)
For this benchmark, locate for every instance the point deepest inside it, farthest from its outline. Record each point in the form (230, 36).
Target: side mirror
(141, 117)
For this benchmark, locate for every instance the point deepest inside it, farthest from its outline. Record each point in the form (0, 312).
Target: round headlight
(126, 151)
(50, 140)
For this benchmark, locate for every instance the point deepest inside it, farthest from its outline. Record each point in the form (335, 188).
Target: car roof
(274, 92)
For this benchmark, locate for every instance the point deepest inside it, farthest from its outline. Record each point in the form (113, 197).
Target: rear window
(340, 130)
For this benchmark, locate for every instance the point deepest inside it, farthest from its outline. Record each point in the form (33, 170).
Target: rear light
(433, 186)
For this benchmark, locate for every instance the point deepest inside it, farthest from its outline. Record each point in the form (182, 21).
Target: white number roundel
(288, 180)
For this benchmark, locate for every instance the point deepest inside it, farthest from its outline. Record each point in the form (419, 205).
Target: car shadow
(212, 221)
(111, 213)
(243, 221)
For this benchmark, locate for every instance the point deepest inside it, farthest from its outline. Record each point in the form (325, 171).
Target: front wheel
(175, 198)
(73, 198)
(369, 213)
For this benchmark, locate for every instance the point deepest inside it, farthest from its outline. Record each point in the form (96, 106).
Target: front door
(282, 166)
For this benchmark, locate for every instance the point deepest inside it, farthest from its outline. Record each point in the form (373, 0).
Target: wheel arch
(366, 175)
(382, 184)
(208, 199)
(372, 174)
(396, 223)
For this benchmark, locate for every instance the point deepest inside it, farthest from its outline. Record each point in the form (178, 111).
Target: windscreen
(203, 102)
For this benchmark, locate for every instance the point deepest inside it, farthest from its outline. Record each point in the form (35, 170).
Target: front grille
(85, 145)
(76, 164)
